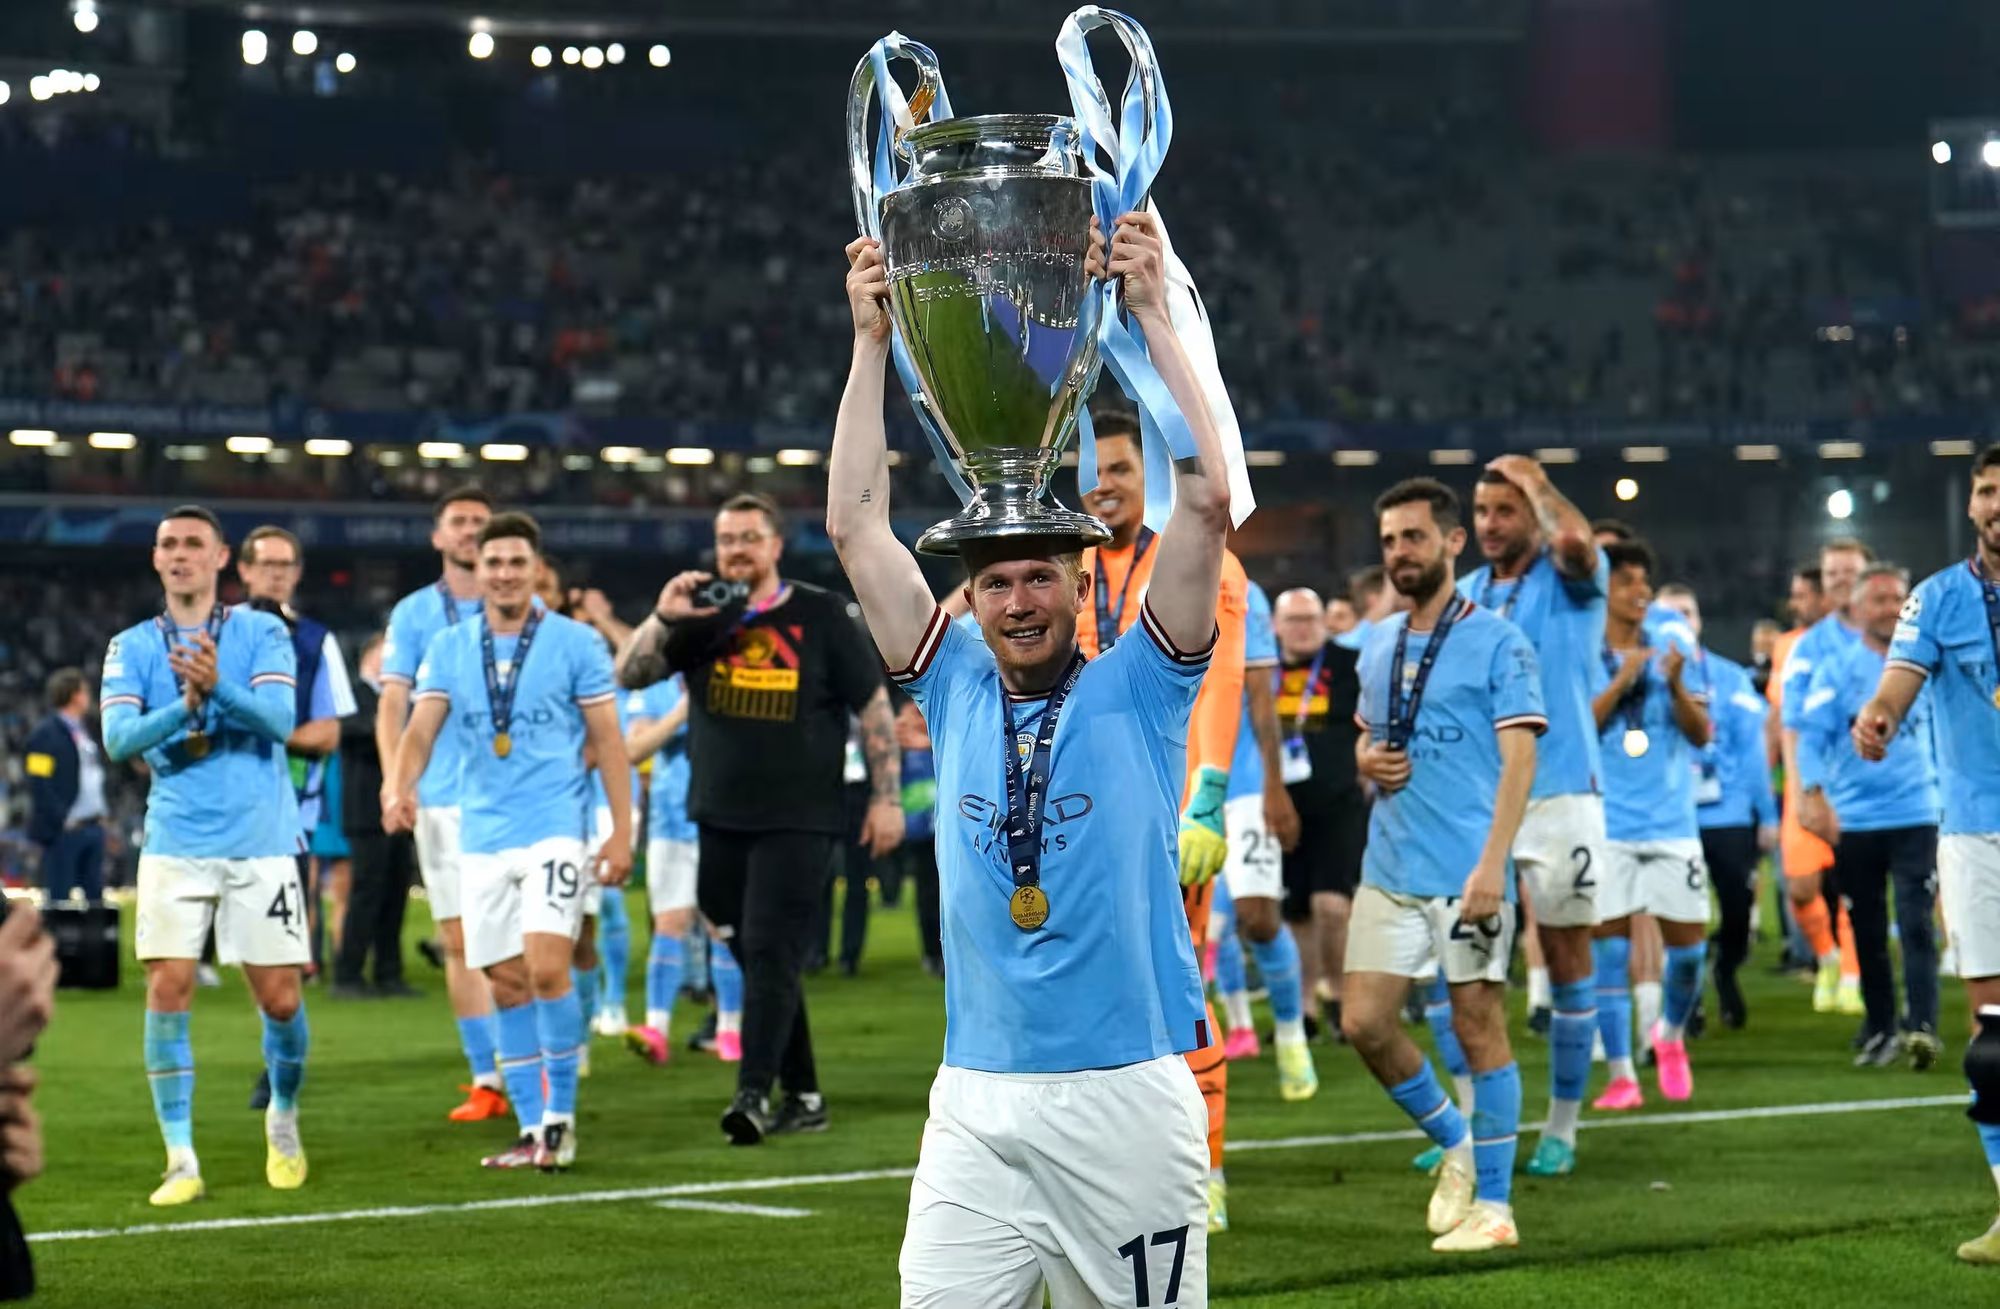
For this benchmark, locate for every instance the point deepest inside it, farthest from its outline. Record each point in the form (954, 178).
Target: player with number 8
(524, 690)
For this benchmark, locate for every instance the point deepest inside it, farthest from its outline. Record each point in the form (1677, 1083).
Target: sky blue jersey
(1425, 839)
(1564, 619)
(1650, 797)
(1732, 778)
(667, 804)
(1110, 978)
(1260, 656)
(1900, 791)
(236, 801)
(1945, 635)
(540, 789)
(1822, 640)
(415, 621)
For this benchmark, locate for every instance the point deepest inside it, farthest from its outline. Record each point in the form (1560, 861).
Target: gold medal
(1637, 742)
(503, 744)
(1029, 908)
(1996, 697)
(197, 744)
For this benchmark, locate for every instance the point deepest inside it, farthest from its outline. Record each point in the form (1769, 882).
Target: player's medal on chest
(1027, 793)
(197, 745)
(1632, 705)
(501, 683)
(1637, 742)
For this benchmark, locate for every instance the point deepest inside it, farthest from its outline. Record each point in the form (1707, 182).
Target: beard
(1424, 585)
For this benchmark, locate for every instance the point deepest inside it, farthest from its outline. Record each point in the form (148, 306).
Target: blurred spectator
(66, 783)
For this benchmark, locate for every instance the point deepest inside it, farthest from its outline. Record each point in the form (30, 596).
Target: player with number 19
(523, 690)
(204, 693)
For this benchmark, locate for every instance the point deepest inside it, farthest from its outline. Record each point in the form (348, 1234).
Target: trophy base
(1050, 527)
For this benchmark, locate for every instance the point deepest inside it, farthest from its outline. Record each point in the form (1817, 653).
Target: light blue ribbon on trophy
(1138, 145)
(895, 114)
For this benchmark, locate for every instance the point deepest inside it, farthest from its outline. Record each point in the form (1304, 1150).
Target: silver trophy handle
(861, 92)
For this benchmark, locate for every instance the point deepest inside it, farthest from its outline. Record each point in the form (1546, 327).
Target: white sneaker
(1489, 1226)
(1452, 1200)
(610, 1021)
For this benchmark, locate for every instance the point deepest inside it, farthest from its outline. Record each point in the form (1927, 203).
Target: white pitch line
(896, 1174)
(731, 1207)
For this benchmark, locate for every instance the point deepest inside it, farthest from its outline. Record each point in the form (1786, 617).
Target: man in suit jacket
(383, 865)
(66, 785)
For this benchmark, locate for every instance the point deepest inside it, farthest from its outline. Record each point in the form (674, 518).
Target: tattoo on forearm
(878, 745)
(643, 661)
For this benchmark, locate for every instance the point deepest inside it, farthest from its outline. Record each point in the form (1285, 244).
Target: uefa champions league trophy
(984, 236)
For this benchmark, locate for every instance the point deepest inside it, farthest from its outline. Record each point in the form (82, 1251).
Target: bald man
(1317, 696)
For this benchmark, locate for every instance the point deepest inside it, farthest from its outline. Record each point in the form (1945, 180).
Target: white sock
(730, 1021)
(1597, 1048)
(182, 1159)
(1831, 959)
(1463, 1150)
(490, 1081)
(1538, 989)
(1670, 1031)
(1622, 1067)
(550, 1119)
(1464, 1084)
(1646, 1006)
(1290, 1031)
(1562, 1121)
(811, 1100)
(1215, 1175)
(1236, 1006)
(658, 1019)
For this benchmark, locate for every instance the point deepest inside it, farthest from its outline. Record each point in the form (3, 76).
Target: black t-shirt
(768, 713)
(1327, 724)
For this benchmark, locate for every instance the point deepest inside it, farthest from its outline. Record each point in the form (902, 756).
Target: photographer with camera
(773, 670)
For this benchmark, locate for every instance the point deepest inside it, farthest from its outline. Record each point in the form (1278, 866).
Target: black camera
(721, 593)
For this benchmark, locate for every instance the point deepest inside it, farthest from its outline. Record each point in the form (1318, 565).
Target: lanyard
(500, 691)
(449, 601)
(1403, 709)
(1305, 692)
(167, 629)
(1107, 617)
(752, 613)
(1025, 797)
(1506, 607)
(1990, 589)
(1633, 703)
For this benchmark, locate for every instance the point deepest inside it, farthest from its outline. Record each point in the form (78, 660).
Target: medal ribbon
(1989, 588)
(1633, 703)
(1107, 617)
(449, 601)
(1305, 692)
(1506, 607)
(1402, 709)
(500, 691)
(168, 629)
(1025, 796)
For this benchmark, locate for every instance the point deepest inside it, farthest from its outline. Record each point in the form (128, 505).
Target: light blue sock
(583, 985)
(1496, 1117)
(614, 949)
(1278, 960)
(694, 949)
(521, 1063)
(1571, 1028)
(1613, 955)
(170, 1073)
(1989, 1138)
(559, 1024)
(728, 977)
(285, 1057)
(1437, 1012)
(1684, 974)
(477, 1037)
(1431, 1109)
(1229, 976)
(663, 974)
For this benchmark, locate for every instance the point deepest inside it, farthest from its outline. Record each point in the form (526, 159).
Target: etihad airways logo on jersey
(481, 720)
(991, 820)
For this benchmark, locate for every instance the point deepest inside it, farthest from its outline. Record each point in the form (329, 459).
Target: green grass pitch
(1813, 1210)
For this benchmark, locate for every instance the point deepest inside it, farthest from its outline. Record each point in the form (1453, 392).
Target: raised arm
(1188, 568)
(1563, 524)
(895, 601)
(1690, 714)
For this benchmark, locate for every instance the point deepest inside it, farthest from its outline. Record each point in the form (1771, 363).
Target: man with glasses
(773, 670)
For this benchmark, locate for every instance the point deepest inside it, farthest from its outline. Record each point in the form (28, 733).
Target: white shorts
(1559, 853)
(1969, 884)
(1256, 866)
(256, 906)
(670, 874)
(438, 859)
(507, 895)
(1667, 879)
(1412, 936)
(1033, 1179)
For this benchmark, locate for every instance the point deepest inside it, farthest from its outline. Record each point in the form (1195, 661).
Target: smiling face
(1120, 495)
(747, 546)
(1838, 570)
(456, 533)
(1026, 609)
(1878, 603)
(1631, 591)
(188, 555)
(509, 568)
(1984, 510)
